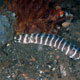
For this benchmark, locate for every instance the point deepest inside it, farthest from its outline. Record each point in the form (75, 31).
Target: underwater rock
(6, 29)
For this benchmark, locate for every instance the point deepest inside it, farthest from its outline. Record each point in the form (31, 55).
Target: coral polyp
(35, 16)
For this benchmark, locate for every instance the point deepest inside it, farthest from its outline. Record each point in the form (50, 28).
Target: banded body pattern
(50, 40)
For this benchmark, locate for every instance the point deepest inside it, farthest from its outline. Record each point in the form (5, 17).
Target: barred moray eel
(50, 40)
